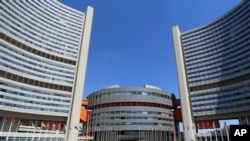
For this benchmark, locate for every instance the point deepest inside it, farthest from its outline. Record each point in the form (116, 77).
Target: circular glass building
(133, 113)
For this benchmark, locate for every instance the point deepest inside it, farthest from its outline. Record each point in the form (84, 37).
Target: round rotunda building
(131, 113)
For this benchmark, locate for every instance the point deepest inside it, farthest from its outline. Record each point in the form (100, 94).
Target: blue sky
(131, 40)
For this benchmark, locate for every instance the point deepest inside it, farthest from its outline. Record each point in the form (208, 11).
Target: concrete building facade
(214, 70)
(43, 56)
(131, 113)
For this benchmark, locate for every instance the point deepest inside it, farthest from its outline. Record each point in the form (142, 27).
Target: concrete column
(188, 120)
(75, 110)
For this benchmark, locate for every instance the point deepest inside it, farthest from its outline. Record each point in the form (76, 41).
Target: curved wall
(39, 44)
(131, 109)
(217, 57)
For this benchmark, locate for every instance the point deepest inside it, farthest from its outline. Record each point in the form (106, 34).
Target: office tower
(131, 113)
(214, 70)
(43, 55)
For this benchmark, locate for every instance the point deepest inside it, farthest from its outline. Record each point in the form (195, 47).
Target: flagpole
(210, 135)
(240, 121)
(40, 133)
(139, 134)
(2, 126)
(247, 120)
(27, 132)
(215, 132)
(17, 128)
(32, 138)
(9, 130)
(204, 132)
(225, 124)
(222, 138)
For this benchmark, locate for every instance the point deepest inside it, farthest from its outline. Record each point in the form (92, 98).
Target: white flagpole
(139, 134)
(51, 132)
(215, 132)
(46, 132)
(27, 132)
(204, 134)
(39, 133)
(17, 128)
(33, 130)
(226, 131)
(210, 134)
(240, 121)
(2, 126)
(9, 130)
(222, 138)
(247, 120)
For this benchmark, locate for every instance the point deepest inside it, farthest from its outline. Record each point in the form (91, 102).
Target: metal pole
(226, 131)
(9, 130)
(88, 112)
(3, 125)
(172, 110)
(222, 137)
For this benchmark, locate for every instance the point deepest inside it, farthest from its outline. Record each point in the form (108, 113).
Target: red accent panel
(178, 115)
(207, 124)
(177, 102)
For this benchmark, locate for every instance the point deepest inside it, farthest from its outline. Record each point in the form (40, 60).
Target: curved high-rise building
(213, 64)
(131, 113)
(43, 56)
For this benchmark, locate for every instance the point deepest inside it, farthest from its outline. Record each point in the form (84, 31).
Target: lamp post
(172, 110)
(88, 112)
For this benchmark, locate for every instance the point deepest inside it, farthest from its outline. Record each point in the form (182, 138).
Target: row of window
(214, 38)
(100, 119)
(216, 51)
(219, 102)
(132, 123)
(47, 35)
(143, 93)
(232, 34)
(220, 24)
(220, 68)
(34, 82)
(110, 113)
(28, 64)
(6, 97)
(236, 51)
(48, 26)
(222, 91)
(32, 108)
(43, 93)
(49, 13)
(58, 25)
(12, 65)
(39, 100)
(222, 83)
(75, 15)
(222, 108)
(44, 34)
(38, 53)
(219, 76)
(219, 97)
(30, 37)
